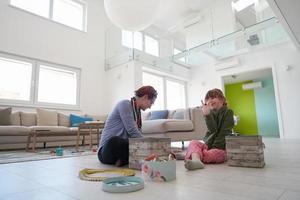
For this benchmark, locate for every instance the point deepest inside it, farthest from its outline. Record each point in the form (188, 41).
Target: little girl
(219, 122)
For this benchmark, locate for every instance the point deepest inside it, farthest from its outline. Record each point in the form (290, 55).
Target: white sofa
(180, 125)
(15, 136)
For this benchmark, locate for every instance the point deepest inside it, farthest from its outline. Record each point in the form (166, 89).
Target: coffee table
(89, 128)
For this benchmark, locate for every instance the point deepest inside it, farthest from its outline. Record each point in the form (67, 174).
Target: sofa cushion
(5, 116)
(63, 120)
(158, 114)
(14, 130)
(76, 120)
(15, 119)
(166, 125)
(52, 129)
(46, 117)
(28, 119)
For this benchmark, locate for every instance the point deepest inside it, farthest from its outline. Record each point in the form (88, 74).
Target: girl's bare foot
(193, 164)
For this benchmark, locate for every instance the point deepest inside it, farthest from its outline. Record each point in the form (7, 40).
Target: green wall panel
(242, 102)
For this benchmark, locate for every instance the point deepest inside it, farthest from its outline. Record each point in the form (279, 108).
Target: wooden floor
(58, 179)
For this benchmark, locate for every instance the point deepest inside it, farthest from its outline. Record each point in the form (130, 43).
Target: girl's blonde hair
(216, 93)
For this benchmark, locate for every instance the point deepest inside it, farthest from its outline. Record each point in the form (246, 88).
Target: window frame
(33, 99)
(50, 16)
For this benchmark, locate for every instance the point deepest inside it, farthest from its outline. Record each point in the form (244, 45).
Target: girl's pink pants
(206, 156)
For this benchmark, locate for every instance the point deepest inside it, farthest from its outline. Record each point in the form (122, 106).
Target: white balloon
(132, 15)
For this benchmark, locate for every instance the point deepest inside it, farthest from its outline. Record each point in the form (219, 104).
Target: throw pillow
(5, 116)
(46, 117)
(179, 114)
(28, 119)
(171, 113)
(76, 120)
(63, 120)
(182, 114)
(159, 114)
(15, 119)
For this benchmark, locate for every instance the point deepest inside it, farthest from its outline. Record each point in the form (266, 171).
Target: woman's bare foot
(118, 163)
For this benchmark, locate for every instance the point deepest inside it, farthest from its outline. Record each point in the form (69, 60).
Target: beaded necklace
(136, 113)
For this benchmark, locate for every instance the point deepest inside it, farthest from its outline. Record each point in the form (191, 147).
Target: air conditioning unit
(251, 86)
(192, 20)
(227, 64)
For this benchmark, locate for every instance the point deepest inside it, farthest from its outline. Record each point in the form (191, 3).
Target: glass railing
(162, 64)
(262, 34)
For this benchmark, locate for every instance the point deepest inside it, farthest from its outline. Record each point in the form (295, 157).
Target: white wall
(120, 84)
(32, 36)
(276, 57)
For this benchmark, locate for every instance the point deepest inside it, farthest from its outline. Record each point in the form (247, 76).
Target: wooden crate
(139, 148)
(245, 151)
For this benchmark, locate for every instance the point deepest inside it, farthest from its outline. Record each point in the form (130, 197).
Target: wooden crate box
(139, 148)
(245, 151)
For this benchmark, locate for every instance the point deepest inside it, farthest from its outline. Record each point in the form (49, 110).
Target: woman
(219, 122)
(124, 122)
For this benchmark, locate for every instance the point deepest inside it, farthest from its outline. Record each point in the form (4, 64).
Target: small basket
(160, 171)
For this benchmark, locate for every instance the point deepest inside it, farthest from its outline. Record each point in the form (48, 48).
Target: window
(158, 83)
(175, 95)
(138, 40)
(177, 51)
(39, 7)
(141, 42)
(242, 4)
(127, 39)
(151, 46)
(15, 79)
(171, 92)
(68, 12)
(62, 91)
(53, 85)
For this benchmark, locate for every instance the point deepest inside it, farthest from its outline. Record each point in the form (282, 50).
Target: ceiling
(174, 13)
(288, 13)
